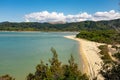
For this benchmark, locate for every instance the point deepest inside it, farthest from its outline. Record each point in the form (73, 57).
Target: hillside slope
(85, 25)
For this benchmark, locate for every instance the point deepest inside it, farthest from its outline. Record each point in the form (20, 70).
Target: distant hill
(77, 26)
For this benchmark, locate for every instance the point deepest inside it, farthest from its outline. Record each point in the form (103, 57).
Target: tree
(6, 77)
(71, 71)
(56, 67)
(57, 71)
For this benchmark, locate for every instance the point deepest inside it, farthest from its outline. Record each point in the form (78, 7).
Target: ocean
(20, 52)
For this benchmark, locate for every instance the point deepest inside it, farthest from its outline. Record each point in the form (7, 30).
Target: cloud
(106, 15)
(77, 18)
(46, 16)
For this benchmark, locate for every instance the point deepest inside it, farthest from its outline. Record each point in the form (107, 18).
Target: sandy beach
(91, 59)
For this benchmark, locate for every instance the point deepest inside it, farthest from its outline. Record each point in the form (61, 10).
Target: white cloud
(106, 15)
(77, 18)
(46, 16)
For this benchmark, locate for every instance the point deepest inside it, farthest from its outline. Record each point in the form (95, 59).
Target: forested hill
(85, 25)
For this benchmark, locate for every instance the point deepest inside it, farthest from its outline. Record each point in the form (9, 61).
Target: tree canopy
(102, 36)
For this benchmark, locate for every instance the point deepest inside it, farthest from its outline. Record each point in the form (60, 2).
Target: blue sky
(15, 10)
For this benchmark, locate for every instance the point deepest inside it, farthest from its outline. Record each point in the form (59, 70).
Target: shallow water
(20, 52)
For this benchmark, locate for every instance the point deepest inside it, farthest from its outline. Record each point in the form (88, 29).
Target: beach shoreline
(40, 31)
(91, 59)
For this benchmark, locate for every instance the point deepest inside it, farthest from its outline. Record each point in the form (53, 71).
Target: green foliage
(111, 72)
(6, 77)
(56, 68)
(117, 55)
(57, 71)
(102, 36)
(85, 25)
(71, 71)
(104, 54)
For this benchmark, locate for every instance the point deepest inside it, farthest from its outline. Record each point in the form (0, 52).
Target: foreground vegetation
(111, 72)
(110, 69)
(6, 77)
(55, 70)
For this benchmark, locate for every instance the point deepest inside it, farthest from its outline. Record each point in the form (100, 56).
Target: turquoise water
(20, 52)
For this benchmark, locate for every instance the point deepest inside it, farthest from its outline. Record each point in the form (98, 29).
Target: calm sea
(20, 52)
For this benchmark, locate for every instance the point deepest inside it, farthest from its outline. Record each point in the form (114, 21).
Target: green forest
(77, 26)
(102, 36)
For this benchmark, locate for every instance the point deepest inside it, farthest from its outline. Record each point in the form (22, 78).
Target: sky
(58, 10)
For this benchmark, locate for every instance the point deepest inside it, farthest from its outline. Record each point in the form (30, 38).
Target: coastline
(39, 31)
(91, 59)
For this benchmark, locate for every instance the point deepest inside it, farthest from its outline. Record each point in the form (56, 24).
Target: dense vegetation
(117, 55)
(57, 71)
(111, 72)
(6, 77)
(102, 36)
(85, 25)
(110, 69)
(104, 54)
